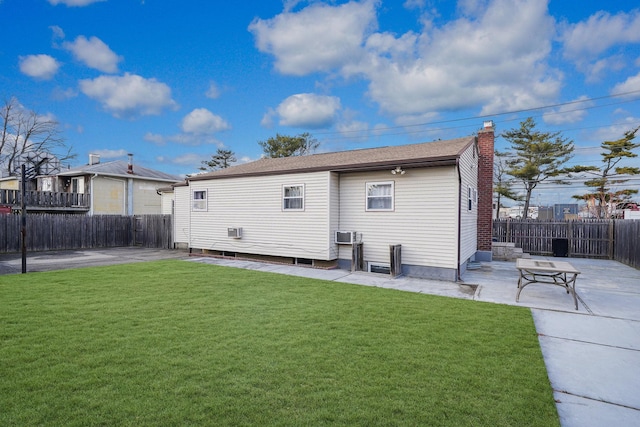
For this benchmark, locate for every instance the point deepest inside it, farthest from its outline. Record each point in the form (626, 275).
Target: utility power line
(383, 131)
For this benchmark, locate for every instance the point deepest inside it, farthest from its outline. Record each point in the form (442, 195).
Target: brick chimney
(486, 138)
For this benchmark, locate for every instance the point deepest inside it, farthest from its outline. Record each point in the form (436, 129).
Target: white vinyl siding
(167, 200)
(255, 205)
(424, 220)
(146, 200)
(182, 215)
(334, 211)
(468, 197)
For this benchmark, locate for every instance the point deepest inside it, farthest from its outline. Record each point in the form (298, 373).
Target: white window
(293, 197)
(199, 200)
(380, 196)
(472, 197)
(47, 184)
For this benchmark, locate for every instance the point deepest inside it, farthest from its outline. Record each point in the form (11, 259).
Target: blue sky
(171, 82)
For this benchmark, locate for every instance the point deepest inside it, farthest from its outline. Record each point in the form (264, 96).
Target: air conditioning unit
(234, 233)
(345, 237)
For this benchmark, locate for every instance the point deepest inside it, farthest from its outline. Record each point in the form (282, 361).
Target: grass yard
(183, 343)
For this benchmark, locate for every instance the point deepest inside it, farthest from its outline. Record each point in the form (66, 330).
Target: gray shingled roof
(407, 156)
(119, 168)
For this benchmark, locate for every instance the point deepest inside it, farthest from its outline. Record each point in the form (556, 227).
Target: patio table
(560, 273)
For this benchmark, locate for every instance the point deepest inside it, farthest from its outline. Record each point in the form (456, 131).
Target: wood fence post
(612, 237)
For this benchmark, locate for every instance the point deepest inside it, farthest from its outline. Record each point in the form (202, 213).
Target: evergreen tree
(287, 146)
(221, 160)
(538, 157)
(603, 192)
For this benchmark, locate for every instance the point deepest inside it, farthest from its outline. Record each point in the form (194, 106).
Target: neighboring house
(117, 187)
(9, 183)
(434, 199)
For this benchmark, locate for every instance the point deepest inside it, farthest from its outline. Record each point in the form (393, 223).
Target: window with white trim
(380, 196)
(472, 197)
(293, 197)
(199, 200)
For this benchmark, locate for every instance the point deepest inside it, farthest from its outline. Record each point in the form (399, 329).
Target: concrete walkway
(592, 355)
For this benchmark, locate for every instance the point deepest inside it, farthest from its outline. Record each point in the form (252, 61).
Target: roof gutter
(407, 164)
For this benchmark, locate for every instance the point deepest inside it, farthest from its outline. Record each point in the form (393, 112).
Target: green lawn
(183, 343)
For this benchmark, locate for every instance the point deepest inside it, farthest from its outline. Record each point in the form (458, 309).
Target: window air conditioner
(235, 233)
(345, 237)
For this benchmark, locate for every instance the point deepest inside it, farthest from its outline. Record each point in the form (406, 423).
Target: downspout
(458, 273)
(130, 196)
(91, 211)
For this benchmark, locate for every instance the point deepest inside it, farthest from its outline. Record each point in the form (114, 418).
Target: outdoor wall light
(397, 170)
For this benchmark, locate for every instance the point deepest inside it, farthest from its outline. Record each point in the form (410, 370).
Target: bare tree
(501, 185)
(25, 132)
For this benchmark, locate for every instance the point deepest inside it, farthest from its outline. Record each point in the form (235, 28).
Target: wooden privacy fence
(56, 231)
(612, 239)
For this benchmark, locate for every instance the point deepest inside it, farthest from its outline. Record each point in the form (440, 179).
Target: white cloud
(308, 110)
(111, 154)
(154, 138)
(74, 3)
(213, 92)
(569, 113)
(616, 130)
(496, 59)
(354, 130)
(267, 119)
(58, 33)
(129, 95)
(317, 38)
(586, 42)
(202, 121)
(630, 85)
(600, 32)
(94, 53)
(42, 67)
(494, 56)
(186, 159)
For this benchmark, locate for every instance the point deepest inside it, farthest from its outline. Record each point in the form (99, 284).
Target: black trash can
(560, 247)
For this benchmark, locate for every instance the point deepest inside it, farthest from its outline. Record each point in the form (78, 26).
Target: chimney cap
(130, 165)
(487, 124)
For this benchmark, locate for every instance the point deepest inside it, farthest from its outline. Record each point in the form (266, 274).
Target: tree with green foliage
(538, 157)
(502, 186)
(602, 185)
(221, 160)
(287, 146)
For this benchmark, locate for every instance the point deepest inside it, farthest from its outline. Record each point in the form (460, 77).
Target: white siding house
(420, 196)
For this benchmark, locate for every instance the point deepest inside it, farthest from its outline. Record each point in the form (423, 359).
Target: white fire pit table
(559, 273)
